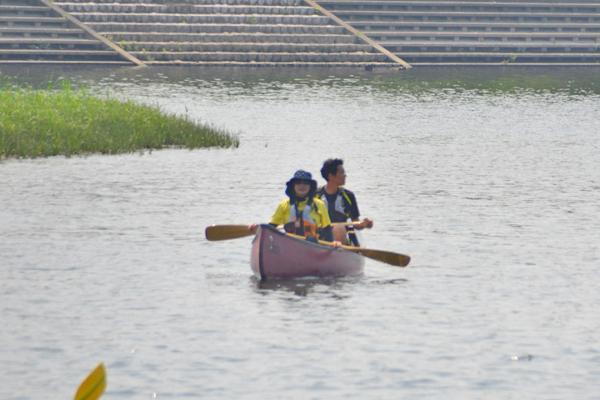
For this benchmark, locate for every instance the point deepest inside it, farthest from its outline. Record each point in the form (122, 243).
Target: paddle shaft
(226, 232)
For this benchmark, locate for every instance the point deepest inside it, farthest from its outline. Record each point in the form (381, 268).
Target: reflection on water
(307, 286)
(304, 286)
(257, 81)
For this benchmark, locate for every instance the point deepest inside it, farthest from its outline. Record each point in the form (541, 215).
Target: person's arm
(277, 219)
(281, 214)
(355, 214)
(327, 233)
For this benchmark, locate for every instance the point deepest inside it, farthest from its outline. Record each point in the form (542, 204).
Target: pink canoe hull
(276, 255)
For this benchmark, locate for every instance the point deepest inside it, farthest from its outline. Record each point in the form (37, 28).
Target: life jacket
(339, 206)
(304, 224)
(340, 215)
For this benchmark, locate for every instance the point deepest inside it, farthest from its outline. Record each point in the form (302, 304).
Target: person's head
(333, 171)
(301, 185)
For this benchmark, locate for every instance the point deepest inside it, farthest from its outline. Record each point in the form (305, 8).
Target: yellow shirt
(320, 216)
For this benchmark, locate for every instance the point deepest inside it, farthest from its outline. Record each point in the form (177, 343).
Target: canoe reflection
(303, 286)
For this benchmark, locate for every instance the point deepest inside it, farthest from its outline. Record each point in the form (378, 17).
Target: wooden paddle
(388, 257)
(93, 386)
(226, 232)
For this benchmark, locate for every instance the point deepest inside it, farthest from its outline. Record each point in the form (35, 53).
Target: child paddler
(302, 214)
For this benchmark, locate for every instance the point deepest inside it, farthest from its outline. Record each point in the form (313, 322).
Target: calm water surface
(489, 180)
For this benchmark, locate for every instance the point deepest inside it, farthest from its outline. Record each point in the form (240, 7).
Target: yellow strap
(346, 196)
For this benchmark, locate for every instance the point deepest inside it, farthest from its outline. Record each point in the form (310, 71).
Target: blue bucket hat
(302, 175)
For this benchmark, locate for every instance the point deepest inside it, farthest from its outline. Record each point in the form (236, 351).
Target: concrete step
(20, 3)
(41, 54)
(107, 28)
(413, 57)
(369, 65)
(369, 27)
(177, 38)
(24, 11)
(185, 9)
(511, 1)
(41, 32)
(169, 47)
(486, 36)
(58, 52)
(258, 57)
(37, 61)
(503, 64)
(182, 19)
(194, 2)
(463, 6)
(32, 22)
(517, 17)
(451, 46)
(50, 43)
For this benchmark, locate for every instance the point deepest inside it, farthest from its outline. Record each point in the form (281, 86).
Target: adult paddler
(340, 202)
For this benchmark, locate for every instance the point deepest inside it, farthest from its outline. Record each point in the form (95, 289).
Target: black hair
(292, 193)
(330, 167)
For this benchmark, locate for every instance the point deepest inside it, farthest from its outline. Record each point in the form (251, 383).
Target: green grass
(42, 123)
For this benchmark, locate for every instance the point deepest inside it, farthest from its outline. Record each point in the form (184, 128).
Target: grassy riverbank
(41, 123)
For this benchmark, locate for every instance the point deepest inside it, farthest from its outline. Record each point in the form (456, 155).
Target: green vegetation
(357, 37)
(39, 123)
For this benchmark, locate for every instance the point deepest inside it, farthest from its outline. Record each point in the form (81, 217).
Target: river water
(488, 179)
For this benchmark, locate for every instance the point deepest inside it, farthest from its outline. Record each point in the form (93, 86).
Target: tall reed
(36, 123)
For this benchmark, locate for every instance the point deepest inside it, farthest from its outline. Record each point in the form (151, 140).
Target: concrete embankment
(32, 32)
(479, 32)
(226, 32)
(364, 33)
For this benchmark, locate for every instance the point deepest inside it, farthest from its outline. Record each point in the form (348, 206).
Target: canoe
(278, 255)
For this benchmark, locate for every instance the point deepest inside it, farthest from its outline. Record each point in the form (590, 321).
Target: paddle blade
(388, 257)
(399, 260)
(93, 386)
(225, 232)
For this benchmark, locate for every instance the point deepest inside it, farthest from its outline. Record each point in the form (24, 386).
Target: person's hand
(290, 227)
(336, 244)
(252, 228)
(366, 223)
